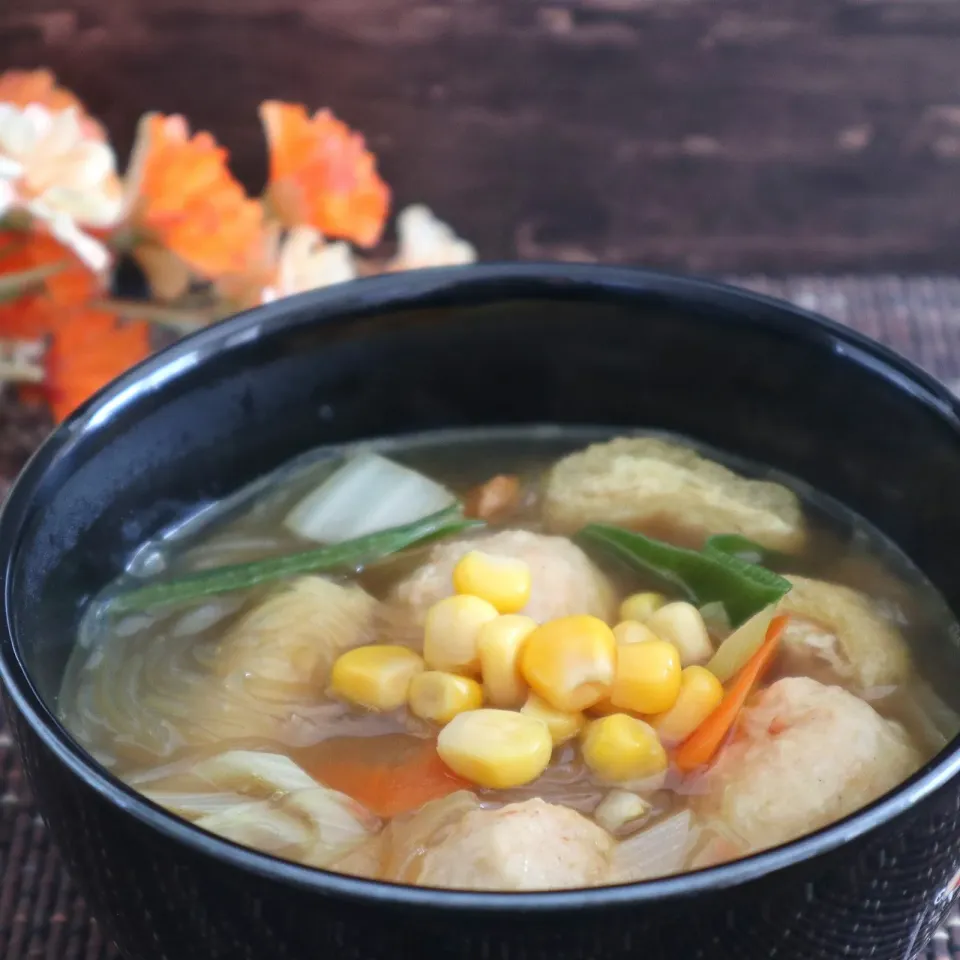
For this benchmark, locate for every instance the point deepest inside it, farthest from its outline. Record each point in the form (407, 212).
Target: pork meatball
(804, 756)
(524, 846)
(565, 580)
(839, 634)
(668, 490)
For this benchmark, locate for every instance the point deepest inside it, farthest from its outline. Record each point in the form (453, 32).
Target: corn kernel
(439, 697)
(621, 748)
(647, 678)
(640, 606)
(618, 808)
(504, 582)
(450, 633)
(632, 631)
(570, 661)
(377, 676)
(562, 726)
(682, 625)
(498, 749)
(498, 644)
(700, 694)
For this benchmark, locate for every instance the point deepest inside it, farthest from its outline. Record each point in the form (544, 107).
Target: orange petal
(23, 87)
(187, 201)
(322, 175)
(89, 349)
(34, 314)
(245, 288)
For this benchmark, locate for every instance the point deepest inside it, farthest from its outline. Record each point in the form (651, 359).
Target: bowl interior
(568, 346)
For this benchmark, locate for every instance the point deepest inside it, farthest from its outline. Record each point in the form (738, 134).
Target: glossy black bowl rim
(388, 293)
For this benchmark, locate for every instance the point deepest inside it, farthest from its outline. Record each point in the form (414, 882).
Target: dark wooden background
(713, 135)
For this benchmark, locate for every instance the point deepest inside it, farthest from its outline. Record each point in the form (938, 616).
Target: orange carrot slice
(388, 788)
(494, 500)
(701, 746)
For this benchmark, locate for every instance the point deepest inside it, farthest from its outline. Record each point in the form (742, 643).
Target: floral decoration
(204, 248)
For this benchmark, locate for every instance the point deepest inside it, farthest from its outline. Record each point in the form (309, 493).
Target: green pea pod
(707, 576)
(348, 555)
(747, 550)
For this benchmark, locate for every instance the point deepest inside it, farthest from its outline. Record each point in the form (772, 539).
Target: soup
(520, 659)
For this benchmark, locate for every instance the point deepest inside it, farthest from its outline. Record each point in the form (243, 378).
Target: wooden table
(712, 135)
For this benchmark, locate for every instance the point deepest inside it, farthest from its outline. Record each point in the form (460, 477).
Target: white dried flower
(307, 261)
(426, 241)
(54, 169)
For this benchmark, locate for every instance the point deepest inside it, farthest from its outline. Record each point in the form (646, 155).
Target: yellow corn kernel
(570, 662)
(504, 582)
(647, 678)
(439, 697)
(632, 631)
(498, 644)
(621, 748)
(377, 676)
(700, 694)
(498, 749)
(450, 633)
(640, 606)
(682, 625)
(562, 726)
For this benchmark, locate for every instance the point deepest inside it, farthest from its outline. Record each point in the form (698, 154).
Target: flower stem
(15, 285)
(174, 318)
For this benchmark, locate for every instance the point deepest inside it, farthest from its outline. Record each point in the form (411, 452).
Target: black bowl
(481, 345)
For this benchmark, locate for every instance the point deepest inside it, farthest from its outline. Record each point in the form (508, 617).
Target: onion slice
(367, 494)
(660, 851)
(741, 645)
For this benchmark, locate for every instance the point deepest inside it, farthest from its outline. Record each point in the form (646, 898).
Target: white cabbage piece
(266, 801)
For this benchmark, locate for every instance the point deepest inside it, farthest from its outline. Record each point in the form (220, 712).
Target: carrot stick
(494, 500)
(701, 746)
(387, 789)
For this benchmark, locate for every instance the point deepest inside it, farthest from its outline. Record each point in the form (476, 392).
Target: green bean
(707, 576)
(348, 555)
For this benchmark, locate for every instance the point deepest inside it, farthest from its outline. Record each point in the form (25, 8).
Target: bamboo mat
(41, 915)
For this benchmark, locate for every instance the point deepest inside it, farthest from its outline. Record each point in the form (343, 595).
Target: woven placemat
(41, 915)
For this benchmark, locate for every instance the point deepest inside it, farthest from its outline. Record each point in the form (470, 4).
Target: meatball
(565, 580)
(524, 846)
(837, 630)
(666, 489)
(804, 756)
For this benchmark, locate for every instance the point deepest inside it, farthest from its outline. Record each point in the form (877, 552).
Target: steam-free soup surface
(637, 659)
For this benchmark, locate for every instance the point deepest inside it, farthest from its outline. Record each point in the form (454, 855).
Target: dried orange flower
(57, 174)
(426, 241)
(62, 282)
(244, 288)
(90, 348)
(20, 88)
(185, 202)
(322, 175)
(301, 261)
